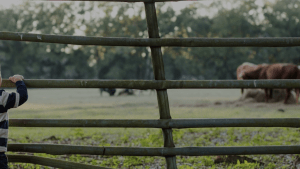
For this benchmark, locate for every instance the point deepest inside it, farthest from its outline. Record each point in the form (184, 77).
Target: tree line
(275, 18)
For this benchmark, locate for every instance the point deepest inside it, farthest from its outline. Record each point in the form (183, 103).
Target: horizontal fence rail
(128, 0)
(137, 151)
(144, 42)
(163, 123)
(156, 84)
(49, 162)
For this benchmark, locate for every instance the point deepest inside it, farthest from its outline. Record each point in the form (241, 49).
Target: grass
(87, 104)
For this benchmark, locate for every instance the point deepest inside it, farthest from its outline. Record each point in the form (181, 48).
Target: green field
(184, 103)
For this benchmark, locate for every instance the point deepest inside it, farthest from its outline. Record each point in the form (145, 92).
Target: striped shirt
(8, 101)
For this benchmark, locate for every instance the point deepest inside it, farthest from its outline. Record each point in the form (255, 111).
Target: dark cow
(283, 71)
(126, 92)
(274, 71)
(110, 91)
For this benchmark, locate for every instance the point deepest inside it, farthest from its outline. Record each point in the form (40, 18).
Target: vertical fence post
(159, 74)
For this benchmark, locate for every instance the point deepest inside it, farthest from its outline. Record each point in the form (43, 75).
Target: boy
(7, 101)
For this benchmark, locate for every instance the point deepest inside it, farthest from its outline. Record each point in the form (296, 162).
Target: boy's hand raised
(16, 78)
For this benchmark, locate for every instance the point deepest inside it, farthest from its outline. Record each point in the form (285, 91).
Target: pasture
(184, 103)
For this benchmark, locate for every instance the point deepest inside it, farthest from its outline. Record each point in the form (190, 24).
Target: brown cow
(246, 66)
(254, 72)
(283, 71)
(274, 71)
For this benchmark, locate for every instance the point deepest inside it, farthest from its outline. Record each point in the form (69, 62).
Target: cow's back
(263, 71)
(282, 71)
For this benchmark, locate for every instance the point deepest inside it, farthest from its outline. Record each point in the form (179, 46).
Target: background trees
(242, 19)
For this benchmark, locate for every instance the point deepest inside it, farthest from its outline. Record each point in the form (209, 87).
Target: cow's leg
(242, 90)
(111, 92)
(271, 93)
(266, 95)
(288, 93)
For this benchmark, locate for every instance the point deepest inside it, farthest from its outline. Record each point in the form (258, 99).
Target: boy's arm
(13, 100)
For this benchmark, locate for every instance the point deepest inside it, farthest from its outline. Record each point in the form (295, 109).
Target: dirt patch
(253, 98)
(258, 95)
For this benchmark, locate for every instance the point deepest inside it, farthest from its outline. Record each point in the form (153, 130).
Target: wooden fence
(165, 121)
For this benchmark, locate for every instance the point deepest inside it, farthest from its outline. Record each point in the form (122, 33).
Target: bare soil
(252, 98)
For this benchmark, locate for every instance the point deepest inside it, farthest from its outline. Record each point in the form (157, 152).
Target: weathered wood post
(159, 74)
